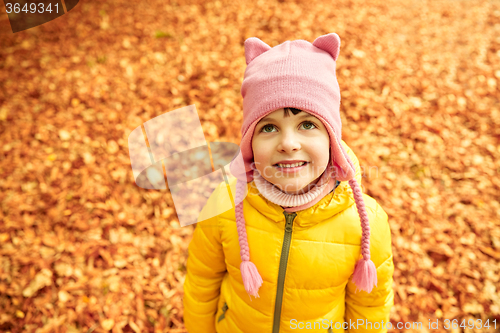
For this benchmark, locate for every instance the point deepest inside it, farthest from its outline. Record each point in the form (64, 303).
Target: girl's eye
(267, 126)
(308, 123)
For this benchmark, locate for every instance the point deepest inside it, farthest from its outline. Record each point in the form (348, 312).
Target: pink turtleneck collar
(296, 202)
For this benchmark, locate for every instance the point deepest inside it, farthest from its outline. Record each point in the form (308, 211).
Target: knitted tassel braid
(251, 277)
(365, 272)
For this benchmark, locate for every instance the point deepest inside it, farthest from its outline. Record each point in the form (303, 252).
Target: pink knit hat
(300, 75)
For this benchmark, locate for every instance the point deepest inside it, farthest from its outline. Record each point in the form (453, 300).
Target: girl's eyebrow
(300, 117)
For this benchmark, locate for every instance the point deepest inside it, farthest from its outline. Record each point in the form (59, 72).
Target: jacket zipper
(224, 309)
(282, 270)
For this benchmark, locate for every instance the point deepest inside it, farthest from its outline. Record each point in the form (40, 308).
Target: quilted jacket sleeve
(205, 270)
(363, 308)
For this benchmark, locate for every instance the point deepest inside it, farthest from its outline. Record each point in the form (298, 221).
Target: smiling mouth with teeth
(290, 165)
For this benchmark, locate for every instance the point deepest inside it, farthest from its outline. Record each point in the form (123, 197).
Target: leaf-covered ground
(82, 248)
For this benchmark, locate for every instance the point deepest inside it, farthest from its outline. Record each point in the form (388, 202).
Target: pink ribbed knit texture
(251, 277)
(276, 196)
(365, 272)
(301, 75)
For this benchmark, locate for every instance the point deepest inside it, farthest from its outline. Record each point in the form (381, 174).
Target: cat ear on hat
(254, 47)
(329, 43)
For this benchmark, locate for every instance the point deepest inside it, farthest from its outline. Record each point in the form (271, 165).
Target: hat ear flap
(351, 164)
(329, 43)
(254, 47)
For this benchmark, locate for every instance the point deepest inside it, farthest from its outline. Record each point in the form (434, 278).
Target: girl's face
(300, 137)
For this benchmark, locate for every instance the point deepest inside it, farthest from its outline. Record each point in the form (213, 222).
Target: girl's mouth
(291, 169)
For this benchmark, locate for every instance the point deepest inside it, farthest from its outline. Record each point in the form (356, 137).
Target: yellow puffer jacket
(311, 290)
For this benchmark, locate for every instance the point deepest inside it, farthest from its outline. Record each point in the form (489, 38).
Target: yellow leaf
(108, 324)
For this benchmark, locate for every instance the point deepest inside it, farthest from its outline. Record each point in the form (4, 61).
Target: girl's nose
(289, 142)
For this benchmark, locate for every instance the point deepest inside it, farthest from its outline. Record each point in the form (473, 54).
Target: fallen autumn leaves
(84, 249)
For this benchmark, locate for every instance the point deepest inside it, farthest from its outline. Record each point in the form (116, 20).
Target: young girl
(303, 240)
